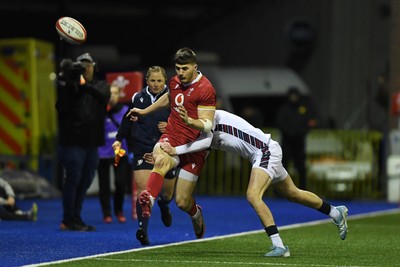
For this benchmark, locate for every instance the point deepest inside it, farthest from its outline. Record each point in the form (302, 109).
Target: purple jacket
(113, 120)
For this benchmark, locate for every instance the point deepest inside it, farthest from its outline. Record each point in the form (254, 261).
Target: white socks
(334, 214)
(277, 241)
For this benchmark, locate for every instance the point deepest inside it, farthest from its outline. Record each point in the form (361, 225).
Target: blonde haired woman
(142, 135)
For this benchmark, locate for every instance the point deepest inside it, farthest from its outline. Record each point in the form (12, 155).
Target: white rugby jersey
(231, 133)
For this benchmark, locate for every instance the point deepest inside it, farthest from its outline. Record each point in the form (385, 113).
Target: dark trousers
(122, 174)
(294, 148)
(80, 165)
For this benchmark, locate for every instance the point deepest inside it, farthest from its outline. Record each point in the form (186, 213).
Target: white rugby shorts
(275, 169)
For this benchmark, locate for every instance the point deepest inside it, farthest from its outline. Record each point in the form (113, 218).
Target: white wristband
(207, 124)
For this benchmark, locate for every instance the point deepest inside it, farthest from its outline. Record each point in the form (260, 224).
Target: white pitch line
(292, 226)
(225, 262)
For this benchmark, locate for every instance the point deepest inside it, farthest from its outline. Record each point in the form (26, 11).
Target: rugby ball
(71, 30)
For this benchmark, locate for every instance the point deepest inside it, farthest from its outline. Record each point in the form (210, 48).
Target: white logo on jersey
(140, 161)
(190, 91)
(179, 99)
(193, 165)
(141, 99)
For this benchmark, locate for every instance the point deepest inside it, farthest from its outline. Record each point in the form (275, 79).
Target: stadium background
(340, 49)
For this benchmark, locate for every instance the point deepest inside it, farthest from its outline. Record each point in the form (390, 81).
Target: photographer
(81, 105)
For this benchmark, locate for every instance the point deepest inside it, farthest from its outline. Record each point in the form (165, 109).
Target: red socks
(193, 210)
(155, 183)
(154, 187)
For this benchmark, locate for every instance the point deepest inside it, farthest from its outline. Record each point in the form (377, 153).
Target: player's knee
(252, 197)
(167, 194)
(163, 160)
(158, 160)
(183, 202)
(162, 163)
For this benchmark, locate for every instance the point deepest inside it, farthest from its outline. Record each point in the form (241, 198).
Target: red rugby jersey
(200, 94)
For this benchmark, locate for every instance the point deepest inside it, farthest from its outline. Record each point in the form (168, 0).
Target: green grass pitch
(371, 241)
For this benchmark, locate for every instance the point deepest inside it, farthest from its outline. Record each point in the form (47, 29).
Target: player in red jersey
(190, 89)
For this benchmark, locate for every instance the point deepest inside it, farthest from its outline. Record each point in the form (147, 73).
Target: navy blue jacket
(143, 134)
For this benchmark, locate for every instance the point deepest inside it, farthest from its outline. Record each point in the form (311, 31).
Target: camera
(71, 71)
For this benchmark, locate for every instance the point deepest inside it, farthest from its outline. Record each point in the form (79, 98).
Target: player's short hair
(185, 56)
(156, 69)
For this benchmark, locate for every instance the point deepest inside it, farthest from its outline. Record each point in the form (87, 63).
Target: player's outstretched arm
(201, 143)
(162, 102)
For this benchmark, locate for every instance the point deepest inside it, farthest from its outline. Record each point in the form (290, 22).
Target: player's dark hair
(185, 56)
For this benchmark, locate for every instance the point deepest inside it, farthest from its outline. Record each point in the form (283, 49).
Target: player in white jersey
(234, 134)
